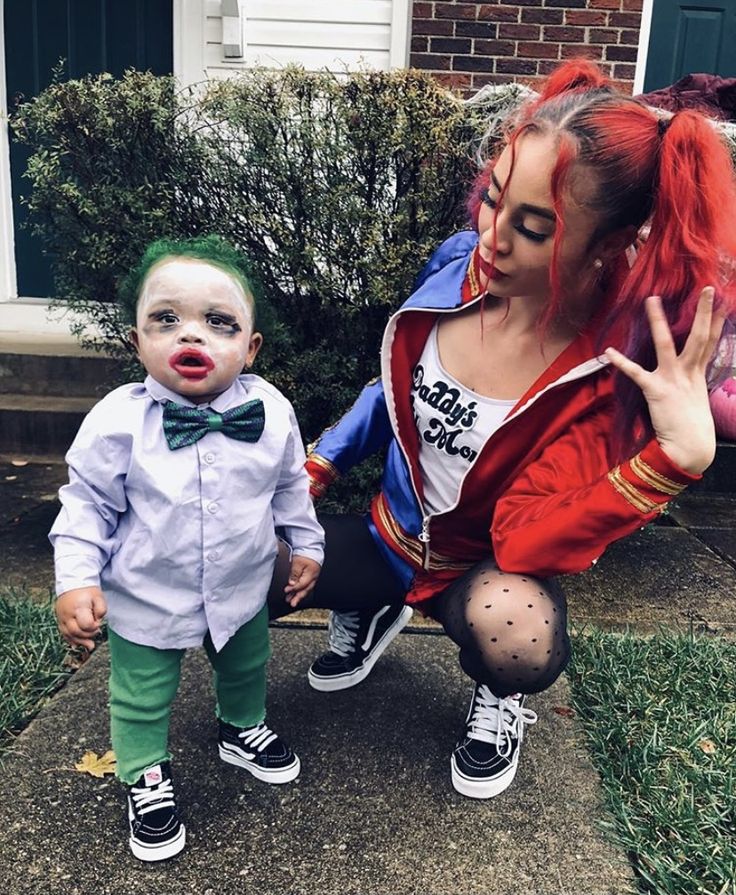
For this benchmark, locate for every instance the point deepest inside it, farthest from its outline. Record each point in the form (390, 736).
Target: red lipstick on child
(191, 363)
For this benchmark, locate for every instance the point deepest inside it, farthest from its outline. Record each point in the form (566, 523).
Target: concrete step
(66, 376)
(35, 426)
(710, 517)
(662, 577)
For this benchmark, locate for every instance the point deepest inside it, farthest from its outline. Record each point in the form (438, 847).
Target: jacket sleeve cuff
(321, 474)
(649, 480)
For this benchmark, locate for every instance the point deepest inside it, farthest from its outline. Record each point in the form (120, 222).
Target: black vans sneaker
(484, 762)
(356, 640)
(259, 750)
(156, 832)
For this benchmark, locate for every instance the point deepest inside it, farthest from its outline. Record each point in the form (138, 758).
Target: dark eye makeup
(223, 321)
(167, 317)
(532, 235)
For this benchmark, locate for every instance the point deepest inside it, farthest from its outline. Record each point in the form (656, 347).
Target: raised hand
(676, 391)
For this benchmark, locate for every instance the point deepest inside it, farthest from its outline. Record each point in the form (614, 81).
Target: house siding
(468, 45)
(320, 34)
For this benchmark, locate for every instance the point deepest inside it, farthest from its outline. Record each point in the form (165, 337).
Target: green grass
(660, 720)
(32, 660)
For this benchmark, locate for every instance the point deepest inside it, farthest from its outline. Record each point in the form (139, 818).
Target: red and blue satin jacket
(542, 497)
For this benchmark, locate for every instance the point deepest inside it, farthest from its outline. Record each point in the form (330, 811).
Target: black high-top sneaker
(484, 762)
(356, 640)
(259, 750)
(156, 833)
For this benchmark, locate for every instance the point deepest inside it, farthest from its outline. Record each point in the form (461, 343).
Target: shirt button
(212, 508)
(213, 556)
(209, 458)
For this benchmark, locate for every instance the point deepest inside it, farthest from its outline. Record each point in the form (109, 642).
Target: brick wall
(470, 44)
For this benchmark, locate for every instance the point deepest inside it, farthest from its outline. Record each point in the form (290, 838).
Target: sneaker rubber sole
(159, 852)
(475, 788)
(268, 775)
(350, 679)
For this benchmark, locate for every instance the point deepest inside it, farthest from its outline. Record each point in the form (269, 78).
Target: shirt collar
(235, 394)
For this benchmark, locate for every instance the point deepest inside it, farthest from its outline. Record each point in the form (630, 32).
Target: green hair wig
(211, 249)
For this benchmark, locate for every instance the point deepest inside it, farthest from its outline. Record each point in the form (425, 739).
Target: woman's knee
(518, 628)
(515, 603)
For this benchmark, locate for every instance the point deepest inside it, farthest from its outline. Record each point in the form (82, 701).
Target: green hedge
(338, 188)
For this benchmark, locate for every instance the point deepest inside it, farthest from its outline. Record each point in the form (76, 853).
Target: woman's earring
(598, 264)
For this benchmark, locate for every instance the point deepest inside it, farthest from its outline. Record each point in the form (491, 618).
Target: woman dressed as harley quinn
(543, 394)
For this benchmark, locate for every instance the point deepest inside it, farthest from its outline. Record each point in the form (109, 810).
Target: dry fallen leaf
(708, 746)
(75, 659)
(564, 710)
(96, 765)
(10, 478)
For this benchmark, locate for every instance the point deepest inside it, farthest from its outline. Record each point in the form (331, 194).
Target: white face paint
(176, 277)
(194, 328)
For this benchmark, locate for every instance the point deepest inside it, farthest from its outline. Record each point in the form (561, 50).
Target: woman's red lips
(488, 269)
(191, 364)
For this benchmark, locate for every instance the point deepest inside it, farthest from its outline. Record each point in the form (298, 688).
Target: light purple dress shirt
(181, 542)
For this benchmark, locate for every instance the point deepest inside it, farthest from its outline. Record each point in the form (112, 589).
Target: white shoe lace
(342, 630)
(151, 798)
(498, 721)
(258, 737)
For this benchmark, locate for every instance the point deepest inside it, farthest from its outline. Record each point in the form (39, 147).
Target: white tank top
(453, 423)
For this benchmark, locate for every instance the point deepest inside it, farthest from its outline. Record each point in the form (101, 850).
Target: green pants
(144, 681)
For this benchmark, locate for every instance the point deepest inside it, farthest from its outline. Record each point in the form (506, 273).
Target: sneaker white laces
(151, 798)
(497, 720)
(343, 630)
(258, 737)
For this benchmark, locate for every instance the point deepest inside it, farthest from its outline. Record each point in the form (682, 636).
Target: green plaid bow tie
(185, 425)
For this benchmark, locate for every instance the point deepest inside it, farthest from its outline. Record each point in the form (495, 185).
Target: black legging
(511, 629)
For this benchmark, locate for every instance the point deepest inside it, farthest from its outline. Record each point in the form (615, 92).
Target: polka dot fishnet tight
(511, 629)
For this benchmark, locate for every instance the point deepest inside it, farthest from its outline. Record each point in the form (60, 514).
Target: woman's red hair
(673, 176)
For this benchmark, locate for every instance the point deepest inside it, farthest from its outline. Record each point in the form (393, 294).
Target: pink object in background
(723, 406)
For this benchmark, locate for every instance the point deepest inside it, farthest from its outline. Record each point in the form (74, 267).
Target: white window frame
(400, 33)
(8, 277)
(189, 21)
(643, 51)
(24, 319)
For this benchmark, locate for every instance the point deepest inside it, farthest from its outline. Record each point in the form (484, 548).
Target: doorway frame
(28, 316)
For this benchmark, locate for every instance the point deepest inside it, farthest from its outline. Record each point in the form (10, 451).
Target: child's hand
(79, 613)
(302, 578)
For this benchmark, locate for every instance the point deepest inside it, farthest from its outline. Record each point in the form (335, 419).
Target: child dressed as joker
(167, 526)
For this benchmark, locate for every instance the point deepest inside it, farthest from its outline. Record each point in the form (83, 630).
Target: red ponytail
(693, 230)
(691, 244)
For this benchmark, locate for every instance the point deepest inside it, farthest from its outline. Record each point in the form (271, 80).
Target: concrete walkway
(373, 810)
(372, 813)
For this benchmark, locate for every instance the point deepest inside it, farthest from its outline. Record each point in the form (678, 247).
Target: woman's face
(525, 225)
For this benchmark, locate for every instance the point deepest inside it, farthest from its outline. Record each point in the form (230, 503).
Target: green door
(91, 36)
(689, 37)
